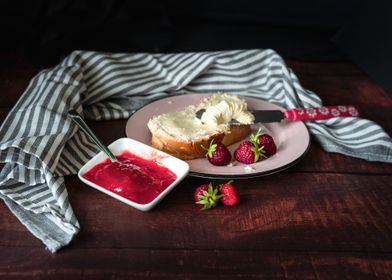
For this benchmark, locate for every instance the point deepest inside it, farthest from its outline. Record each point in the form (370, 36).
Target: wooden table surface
(327, 217)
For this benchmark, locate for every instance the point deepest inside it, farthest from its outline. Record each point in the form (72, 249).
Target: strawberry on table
(207, 196)
(264, 140)
(217, 154)
(231, 195)
(249, 152)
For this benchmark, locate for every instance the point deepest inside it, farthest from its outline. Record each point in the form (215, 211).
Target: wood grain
(116, 263)
(291, 211)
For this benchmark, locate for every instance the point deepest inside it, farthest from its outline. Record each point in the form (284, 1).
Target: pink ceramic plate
(291, 138)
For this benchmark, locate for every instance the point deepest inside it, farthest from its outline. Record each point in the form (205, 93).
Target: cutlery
(86, 129)
(300, 114)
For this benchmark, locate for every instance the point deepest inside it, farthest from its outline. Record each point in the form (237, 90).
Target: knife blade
(301, 114)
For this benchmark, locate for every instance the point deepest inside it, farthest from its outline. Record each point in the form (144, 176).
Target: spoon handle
(83, 125)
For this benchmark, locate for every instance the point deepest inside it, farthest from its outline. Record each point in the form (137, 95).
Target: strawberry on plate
(231, 195)
(249, 152)
(264, 140)
(207, 196)
(217, 154)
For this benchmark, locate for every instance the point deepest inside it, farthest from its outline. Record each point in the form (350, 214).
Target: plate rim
(228, 176)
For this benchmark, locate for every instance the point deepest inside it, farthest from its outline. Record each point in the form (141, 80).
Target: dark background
(44, 32)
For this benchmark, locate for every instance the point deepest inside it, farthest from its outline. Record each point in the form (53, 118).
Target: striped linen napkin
(40, 145)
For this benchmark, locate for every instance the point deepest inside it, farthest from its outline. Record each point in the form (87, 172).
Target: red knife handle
(321, 113)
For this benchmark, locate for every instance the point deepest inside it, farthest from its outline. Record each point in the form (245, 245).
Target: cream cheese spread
(220, 109)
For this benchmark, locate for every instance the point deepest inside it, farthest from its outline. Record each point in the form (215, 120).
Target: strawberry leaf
(209, 198)
(254, 138)
(211, 149)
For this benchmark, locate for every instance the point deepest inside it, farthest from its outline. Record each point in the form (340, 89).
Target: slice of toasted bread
(183, 135)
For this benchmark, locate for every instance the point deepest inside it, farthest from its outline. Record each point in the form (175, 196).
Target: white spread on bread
(220, 108)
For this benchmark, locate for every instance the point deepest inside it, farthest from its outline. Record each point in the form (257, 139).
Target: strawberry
(231, 195)
(248, 152)
(265, 140)
(207, 196)
(217, 154)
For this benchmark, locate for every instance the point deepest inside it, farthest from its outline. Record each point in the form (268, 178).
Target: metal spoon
(82, 124)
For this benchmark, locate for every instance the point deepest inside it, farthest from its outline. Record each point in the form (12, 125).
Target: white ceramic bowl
(177, 166)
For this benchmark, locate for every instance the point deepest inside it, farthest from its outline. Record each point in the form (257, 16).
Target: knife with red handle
(305, 114)
(301, 114)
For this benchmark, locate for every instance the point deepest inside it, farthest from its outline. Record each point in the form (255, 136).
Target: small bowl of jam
(141, 177)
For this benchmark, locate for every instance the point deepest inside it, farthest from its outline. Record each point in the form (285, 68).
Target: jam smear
(132, 177)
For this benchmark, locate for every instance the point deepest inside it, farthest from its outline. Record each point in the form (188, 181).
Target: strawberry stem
(254, 138)
(211, 149)
(258, 151)
(209, 198)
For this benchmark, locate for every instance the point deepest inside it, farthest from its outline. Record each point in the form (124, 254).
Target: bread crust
(193, 149)
(237, 133)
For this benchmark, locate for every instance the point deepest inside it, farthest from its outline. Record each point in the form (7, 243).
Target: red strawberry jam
(132, 177)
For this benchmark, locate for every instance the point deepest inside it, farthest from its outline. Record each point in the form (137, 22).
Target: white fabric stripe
(242, 69)
(56, 143)
(44, 125)
(148, 67)
(61, 169)
(64, 125)
(44, 191)
(346, 134)
(114, 105)
(31, 206)
(242, 61)
(107, 69)
(87, 143)
(15, 189)
(199, 68)
(35, 177)
(263, 76)
(229, 86)
(168, 60)
(13, 125)
(350, 141)
(84, 147)
(64, 162)
(19, 193)
(347, 123)
(95, 111)
(63, 195)
(106, 113)
(16, 172)
(238, 73)
(239, 77)
(68, 228)
(376, 143)
(76, 165)
(91, 59)
(43, 200)
(57, 188)
(179, 61)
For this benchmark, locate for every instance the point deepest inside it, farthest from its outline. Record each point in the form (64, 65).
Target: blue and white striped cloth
(39, 144)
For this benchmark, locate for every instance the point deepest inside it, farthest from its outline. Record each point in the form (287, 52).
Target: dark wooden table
(328, 217)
